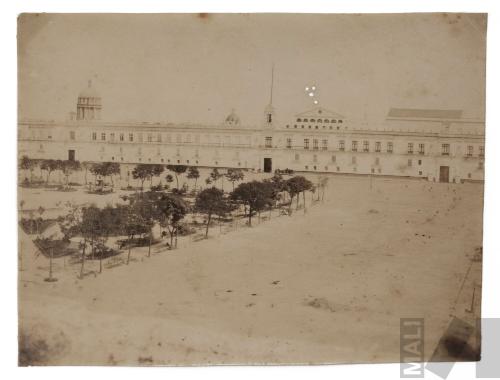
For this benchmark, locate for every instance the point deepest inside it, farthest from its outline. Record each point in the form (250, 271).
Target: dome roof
(89, 92)
(232, 118)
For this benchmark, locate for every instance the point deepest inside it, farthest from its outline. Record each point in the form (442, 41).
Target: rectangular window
(324, 144)
(410, 162)
(378, 146)
(112, 136)
(72, 135)
(289, 143)
(377, 161)
(315, 144)
(334, 159)
(297, 157)
(470, 150)
(150, 137)
(158, 138)
(481, 151)
(130, 137)
(306, 143)
(269, 142)
(390, 147)
(315, 158)
(341, 145)
(421, 148)
(354, 146)
(94, 136)
(103, 136)
(366, 146)
(445, 149)
(410, 148)
(121, 137)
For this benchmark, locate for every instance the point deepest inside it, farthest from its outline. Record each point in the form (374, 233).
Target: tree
(211, 201)
(133, 224)
(146, 208)
(27, 164)
(156, 171)
(106, 169)
(69, 167)
(296, 185)
(169, 179)
(90, 228)
(87, 166)
(177, 170)
(194, 173)
(234, 175)
(142, 172)
(49, 166)
(170, 210)
(60, 167)
(215, 175)
(255, 195)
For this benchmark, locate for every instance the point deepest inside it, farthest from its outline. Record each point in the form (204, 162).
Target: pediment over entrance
(319, 113)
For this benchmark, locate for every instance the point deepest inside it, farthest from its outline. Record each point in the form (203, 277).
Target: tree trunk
(129, 248)
(195, 182)
(208, 224)
(50, 263)
(250, 216)
(290, 205)
(83, 258)
(297, 206)
(150, 239)
(304, 199)
(177, 181)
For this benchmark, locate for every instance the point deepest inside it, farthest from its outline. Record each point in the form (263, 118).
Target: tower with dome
(88, 107)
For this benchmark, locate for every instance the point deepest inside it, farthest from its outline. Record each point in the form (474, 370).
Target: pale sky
(187, 68)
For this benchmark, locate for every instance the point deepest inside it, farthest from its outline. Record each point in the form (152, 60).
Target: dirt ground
(326, 286)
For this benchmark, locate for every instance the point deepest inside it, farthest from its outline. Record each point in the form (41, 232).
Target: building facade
(439, 145)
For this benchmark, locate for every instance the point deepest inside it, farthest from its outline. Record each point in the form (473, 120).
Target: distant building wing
(414, 113)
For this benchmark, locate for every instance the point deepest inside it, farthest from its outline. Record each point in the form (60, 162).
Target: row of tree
(144, 211)
(141, 172)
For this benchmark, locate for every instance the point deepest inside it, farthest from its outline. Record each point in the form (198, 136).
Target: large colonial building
(439, 145)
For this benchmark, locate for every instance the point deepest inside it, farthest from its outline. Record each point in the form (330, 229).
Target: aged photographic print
(205, 189)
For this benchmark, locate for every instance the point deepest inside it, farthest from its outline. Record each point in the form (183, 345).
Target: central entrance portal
(444, 174)
(268, 165)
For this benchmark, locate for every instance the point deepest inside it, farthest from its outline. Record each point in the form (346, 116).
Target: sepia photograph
(250, 189)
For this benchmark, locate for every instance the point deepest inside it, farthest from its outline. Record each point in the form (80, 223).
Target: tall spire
(272, 84)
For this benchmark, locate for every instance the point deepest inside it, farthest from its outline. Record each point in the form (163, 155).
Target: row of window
(315, 127)
(299, 120)
(445, 148)
(354, 160)
(157, 137)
